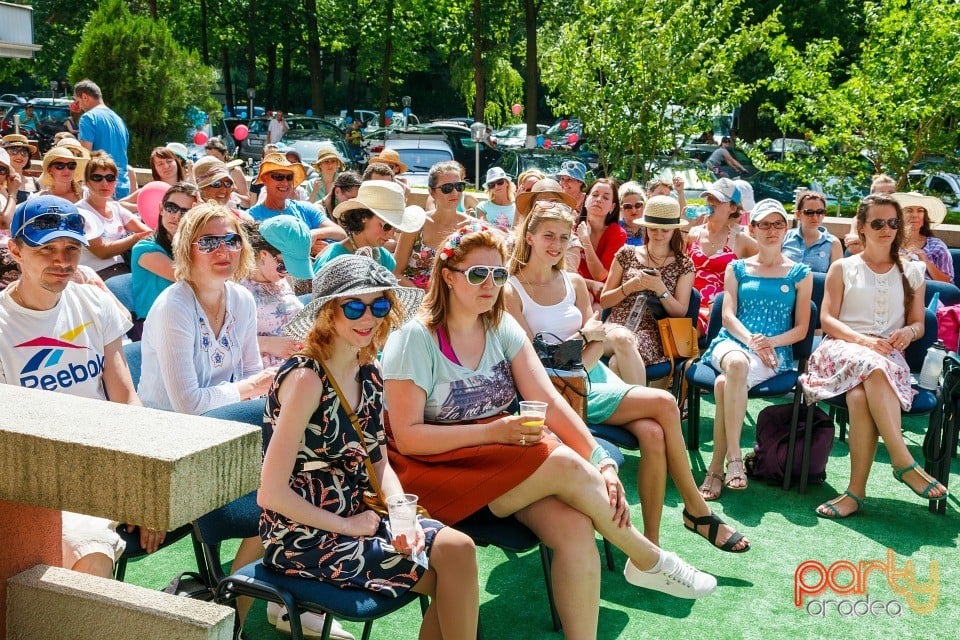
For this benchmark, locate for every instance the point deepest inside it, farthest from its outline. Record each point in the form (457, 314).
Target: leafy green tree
(898, 102)
(146, 77)
(642, 75)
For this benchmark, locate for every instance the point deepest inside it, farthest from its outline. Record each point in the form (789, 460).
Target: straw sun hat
(387, 201)
(662, 212)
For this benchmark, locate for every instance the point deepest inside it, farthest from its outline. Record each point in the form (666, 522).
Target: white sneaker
(312, 623)
(676, 578)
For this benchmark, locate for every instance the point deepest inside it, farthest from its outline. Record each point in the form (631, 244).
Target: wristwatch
(664, 295)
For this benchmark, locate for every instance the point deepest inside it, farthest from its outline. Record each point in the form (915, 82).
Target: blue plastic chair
(664, 369)
(122, 287)
(701, 375)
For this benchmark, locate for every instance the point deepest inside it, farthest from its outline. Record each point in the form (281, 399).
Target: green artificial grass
(755, 597)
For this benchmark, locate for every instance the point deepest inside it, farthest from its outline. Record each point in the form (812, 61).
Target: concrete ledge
(49, 602)
(154, 468)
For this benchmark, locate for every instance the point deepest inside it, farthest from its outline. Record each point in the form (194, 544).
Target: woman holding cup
(315, 470)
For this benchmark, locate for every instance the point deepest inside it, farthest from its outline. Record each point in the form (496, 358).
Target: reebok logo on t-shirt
(58, 363)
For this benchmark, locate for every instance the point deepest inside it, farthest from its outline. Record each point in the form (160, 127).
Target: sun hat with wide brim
(60, 154)
(279, 162)
(936, 210)
(208, 170)
(662, 212)
(351, 276)
(391, 157)
(388, 202)
(544, 189)
(327, 153)
(18, 140)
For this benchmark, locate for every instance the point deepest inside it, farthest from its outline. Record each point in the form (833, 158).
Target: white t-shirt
(114, 228)
(60, 349)
(275, 130)
(185, 367)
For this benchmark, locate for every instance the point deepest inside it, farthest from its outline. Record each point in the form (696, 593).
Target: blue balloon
(309, 112)
(407, 111)
(348, 120)
(539, 141)
(389, 113)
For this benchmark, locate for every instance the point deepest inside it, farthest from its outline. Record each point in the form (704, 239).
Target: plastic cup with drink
(533, 413)
(402, 509)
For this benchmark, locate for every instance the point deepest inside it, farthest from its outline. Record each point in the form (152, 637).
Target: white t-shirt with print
(60, 349)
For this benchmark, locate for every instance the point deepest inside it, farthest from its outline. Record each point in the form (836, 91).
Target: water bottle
(636, 312)
(694, 211)
(932, 366)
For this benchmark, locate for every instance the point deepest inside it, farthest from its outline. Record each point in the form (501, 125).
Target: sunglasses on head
(209, 244)
(224, 182)
(893, 223)
(450, 186)
(36, 228)
(813, 212)
(100, 177)
(354, 309)
(281, 177)
(631, 207)
(60, 166)
(174, 209)
(478, 274)
(18, 151)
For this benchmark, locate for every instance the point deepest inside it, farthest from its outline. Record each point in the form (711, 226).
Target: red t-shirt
(610, 242)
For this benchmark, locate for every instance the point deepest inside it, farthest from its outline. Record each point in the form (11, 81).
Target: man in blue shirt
(101, 129)
(280, 178)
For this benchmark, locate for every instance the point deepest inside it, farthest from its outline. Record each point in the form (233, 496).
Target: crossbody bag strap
(355, 421)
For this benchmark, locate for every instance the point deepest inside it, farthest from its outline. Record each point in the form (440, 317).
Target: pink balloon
(564, 124)
(547, 143)
(200, 138)
(240, 132)
(516, 109)
(148, 202)
(572, 138)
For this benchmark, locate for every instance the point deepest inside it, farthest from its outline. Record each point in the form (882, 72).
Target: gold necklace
(657, 263)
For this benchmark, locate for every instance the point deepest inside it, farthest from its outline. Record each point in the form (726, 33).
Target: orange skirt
(454, 484)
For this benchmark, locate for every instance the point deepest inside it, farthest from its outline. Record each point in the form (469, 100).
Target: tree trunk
(530, 11)
(227, 80)
(353, 61)
(480, 99)
(204, 51)
(285, 75)
(314, 57)
(251, 51)
(269, 97)
(387, 60)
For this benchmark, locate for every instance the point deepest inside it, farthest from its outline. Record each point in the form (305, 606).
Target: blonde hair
(319, 341)
(542, 211)
(436, 304)
(882, 179)
(189, 230)
(633, 188)
(59, 154)
(511, 191)
(530, 173)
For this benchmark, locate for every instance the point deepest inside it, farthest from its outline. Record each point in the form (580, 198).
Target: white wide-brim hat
(936, 210)
(388, 201)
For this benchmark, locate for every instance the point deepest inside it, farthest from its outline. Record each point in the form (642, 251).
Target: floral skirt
(837, 366)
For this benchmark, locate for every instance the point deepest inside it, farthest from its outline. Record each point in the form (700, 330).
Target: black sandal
(713, 531)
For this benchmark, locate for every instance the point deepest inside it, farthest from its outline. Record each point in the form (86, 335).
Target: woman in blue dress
(766, 309)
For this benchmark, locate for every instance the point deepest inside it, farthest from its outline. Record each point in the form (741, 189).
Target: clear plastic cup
(402, 510)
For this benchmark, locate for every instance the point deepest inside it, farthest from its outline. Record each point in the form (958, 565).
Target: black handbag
(564, 355)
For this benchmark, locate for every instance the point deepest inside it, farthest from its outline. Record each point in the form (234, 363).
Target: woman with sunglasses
(450, 376)
(542, 297)
(217, 185)
(20, 151)
(810, 242)
(599, 234)
(766, 310)
(499, 209)
(872, 310)
(416, 250)
(315, 524)
(58, 177)
(121, 229)
(151, 260)
(632, 200)
(922, 214)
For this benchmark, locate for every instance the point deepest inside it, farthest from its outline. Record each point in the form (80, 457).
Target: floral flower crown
(452, 243)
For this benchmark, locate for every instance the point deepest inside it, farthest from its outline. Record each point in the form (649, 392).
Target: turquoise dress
(765, 305)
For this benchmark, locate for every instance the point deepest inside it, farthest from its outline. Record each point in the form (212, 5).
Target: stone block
(154, 468)
(48, 602)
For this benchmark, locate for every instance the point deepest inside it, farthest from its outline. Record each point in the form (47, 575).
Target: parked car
(945, 186)
(419, 154)
(701, 153)
(456, 136)
(781, 147)
(222, 129)
(783, 187)
(516, 161)
(398, 121)
(696, 178)
(51, 112)
(461, 120)
(307, 143)
(514, 136)
(252, 147)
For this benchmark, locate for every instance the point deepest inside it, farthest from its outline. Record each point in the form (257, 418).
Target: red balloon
(200, 138)
(148, 202)
(516, 109)
(563, 125)
(240, 132)
(572, 138)
(547, 143)
(387, 121)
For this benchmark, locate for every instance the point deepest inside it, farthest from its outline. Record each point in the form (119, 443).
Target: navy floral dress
(330, 473)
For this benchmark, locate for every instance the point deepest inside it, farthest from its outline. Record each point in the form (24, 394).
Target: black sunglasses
(18, 151)
(60, 166)
(281, 267)
(893, 223)
(281, 177)
(100, 177)
(224, 182)
(450, 186)
(4, 170)
(631, 207)
(497, 183)
(813, 212)
(174, 209)
(354, 309)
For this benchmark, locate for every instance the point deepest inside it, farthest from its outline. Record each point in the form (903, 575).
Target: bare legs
(621, 346)
(451, 584)
(95, 564)
(730, 392)
(250, 549)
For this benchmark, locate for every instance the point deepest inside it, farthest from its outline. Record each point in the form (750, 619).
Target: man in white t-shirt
(61, 336)
(277, 127)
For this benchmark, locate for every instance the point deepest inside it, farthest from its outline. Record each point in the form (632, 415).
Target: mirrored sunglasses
(224, 182)
(100, 177)
(174, 209)
(209, 244)
(18, 151)
(354, 309)
(450, 186)
(478, 274)
(35, 230)
(281, 267)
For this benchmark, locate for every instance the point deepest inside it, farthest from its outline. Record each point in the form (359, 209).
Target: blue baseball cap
(573, 169)
(64, 221)
(291, 236)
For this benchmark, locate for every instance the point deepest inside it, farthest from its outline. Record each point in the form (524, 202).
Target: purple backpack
(769, 458)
